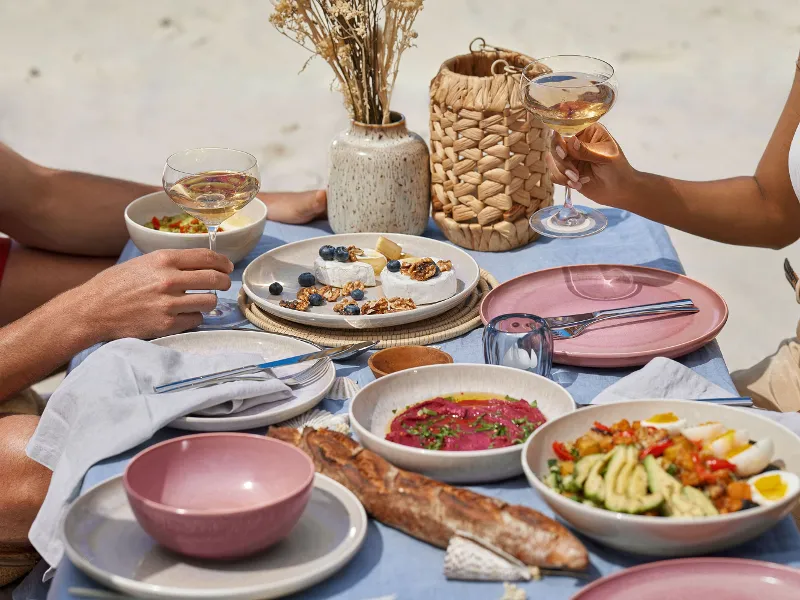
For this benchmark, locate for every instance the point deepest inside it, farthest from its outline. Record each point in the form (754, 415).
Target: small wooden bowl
(401, 358)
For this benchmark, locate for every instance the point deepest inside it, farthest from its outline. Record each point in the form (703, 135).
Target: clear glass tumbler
(520, 341)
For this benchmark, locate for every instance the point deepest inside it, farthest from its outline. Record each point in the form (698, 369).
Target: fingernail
(575, 185)
(576, 143)
(572, 175)
(561, 154)
(585, 179)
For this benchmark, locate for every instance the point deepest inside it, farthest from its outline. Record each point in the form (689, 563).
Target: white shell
(476, 560)
(320, 419)
(343, 388)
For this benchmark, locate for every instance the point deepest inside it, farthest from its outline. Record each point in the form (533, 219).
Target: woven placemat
(446, 326)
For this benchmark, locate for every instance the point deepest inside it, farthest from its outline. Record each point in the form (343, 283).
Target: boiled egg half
(751, 458)
(667, 421)
(733, 440)
(773, 486)
(704, 432)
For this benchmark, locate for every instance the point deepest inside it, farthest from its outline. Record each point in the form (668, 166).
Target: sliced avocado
(584, 465)
(637, 485)
(590, 503)
(658, 479)
(700, 500)
(594, 488)
(620, 476)
(680, 500)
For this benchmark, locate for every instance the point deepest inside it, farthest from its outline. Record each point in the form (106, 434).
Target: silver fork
(295, 380)
(574, 329)
(791, 276)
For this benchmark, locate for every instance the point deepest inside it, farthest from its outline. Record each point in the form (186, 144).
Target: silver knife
(202, 379)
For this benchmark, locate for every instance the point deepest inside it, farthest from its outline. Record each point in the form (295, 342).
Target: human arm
(144, 298)
(79, 213)
(759, 210)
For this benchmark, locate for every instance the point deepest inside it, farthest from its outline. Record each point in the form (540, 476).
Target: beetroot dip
(465, 422)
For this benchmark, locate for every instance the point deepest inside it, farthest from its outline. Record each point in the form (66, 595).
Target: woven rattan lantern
(488, 170)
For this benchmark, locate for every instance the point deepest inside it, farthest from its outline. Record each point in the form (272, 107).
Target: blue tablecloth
(393, 563)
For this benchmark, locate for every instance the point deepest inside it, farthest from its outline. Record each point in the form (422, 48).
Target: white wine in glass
(212, 184)
(568, 93)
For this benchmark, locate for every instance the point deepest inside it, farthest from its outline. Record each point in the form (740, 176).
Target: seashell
(472, 559)
(512, 592)
(343, 388)
(316, 418)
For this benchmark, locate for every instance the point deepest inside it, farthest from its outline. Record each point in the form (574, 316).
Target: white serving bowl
(371, 414)
(662, 536)
(241, 232)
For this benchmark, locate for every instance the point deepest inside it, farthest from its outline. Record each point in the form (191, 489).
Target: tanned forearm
(732, 211)
(64, 211)
(42, 341)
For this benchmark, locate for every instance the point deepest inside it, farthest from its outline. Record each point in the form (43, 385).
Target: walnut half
(301, 305)
(354, 253)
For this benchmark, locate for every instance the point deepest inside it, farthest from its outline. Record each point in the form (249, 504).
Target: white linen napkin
(107, 406)
(663, 378)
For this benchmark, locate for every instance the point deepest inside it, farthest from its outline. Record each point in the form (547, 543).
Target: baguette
(432, 511)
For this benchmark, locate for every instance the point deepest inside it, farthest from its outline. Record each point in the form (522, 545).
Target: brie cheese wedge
(336, 274)
(435, 289)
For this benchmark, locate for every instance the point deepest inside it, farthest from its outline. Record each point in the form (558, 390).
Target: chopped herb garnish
(552, 463)
(510, 398)
(500, 430)
(427, 411)
(575, 453)
(520, 421)
(485, 427)
(518, 441)
(394, 411)
(672, 469)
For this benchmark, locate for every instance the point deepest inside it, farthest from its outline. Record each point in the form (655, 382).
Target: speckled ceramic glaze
(379, 179)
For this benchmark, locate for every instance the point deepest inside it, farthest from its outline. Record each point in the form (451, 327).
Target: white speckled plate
(285, 263)
(271, 347)
(103, 539)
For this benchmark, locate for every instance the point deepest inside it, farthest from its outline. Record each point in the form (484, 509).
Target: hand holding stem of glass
(568, 93)
(212, 184)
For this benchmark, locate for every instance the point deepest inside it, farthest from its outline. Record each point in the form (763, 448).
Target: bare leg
(25, 483)
(32, 277)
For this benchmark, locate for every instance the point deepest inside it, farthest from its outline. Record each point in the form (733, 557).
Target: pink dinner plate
(619, 342)
(698, 579)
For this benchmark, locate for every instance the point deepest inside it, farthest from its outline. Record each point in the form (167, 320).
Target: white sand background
(114, 86)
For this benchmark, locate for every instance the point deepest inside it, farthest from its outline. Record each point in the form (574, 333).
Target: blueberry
(352, 309)
(357, 294)
(342, 254)
(306, 279)
(316, 300)
(393, 266)
(275, 289)
(327, 252)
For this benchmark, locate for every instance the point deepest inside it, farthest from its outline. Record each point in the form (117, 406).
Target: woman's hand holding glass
(591, 163)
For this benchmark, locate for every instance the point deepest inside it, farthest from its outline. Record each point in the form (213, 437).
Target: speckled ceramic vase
(379, 179)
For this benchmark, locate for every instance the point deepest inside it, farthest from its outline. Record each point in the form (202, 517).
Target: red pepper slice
(717, 464)
(701, 470)
(561, 451)
(656, 449)
(601, 427)
(156, 223)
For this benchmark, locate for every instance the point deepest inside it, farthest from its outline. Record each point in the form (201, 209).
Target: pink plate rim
(582, 594)
(623, 358)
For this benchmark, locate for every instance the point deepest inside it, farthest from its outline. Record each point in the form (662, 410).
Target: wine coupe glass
(568, 93)
(212, 184)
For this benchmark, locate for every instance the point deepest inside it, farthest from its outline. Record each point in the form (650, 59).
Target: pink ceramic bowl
(219, 495)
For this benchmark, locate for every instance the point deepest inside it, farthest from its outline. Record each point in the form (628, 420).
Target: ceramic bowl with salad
(458, 423)
(155, 222)
(666, 477)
